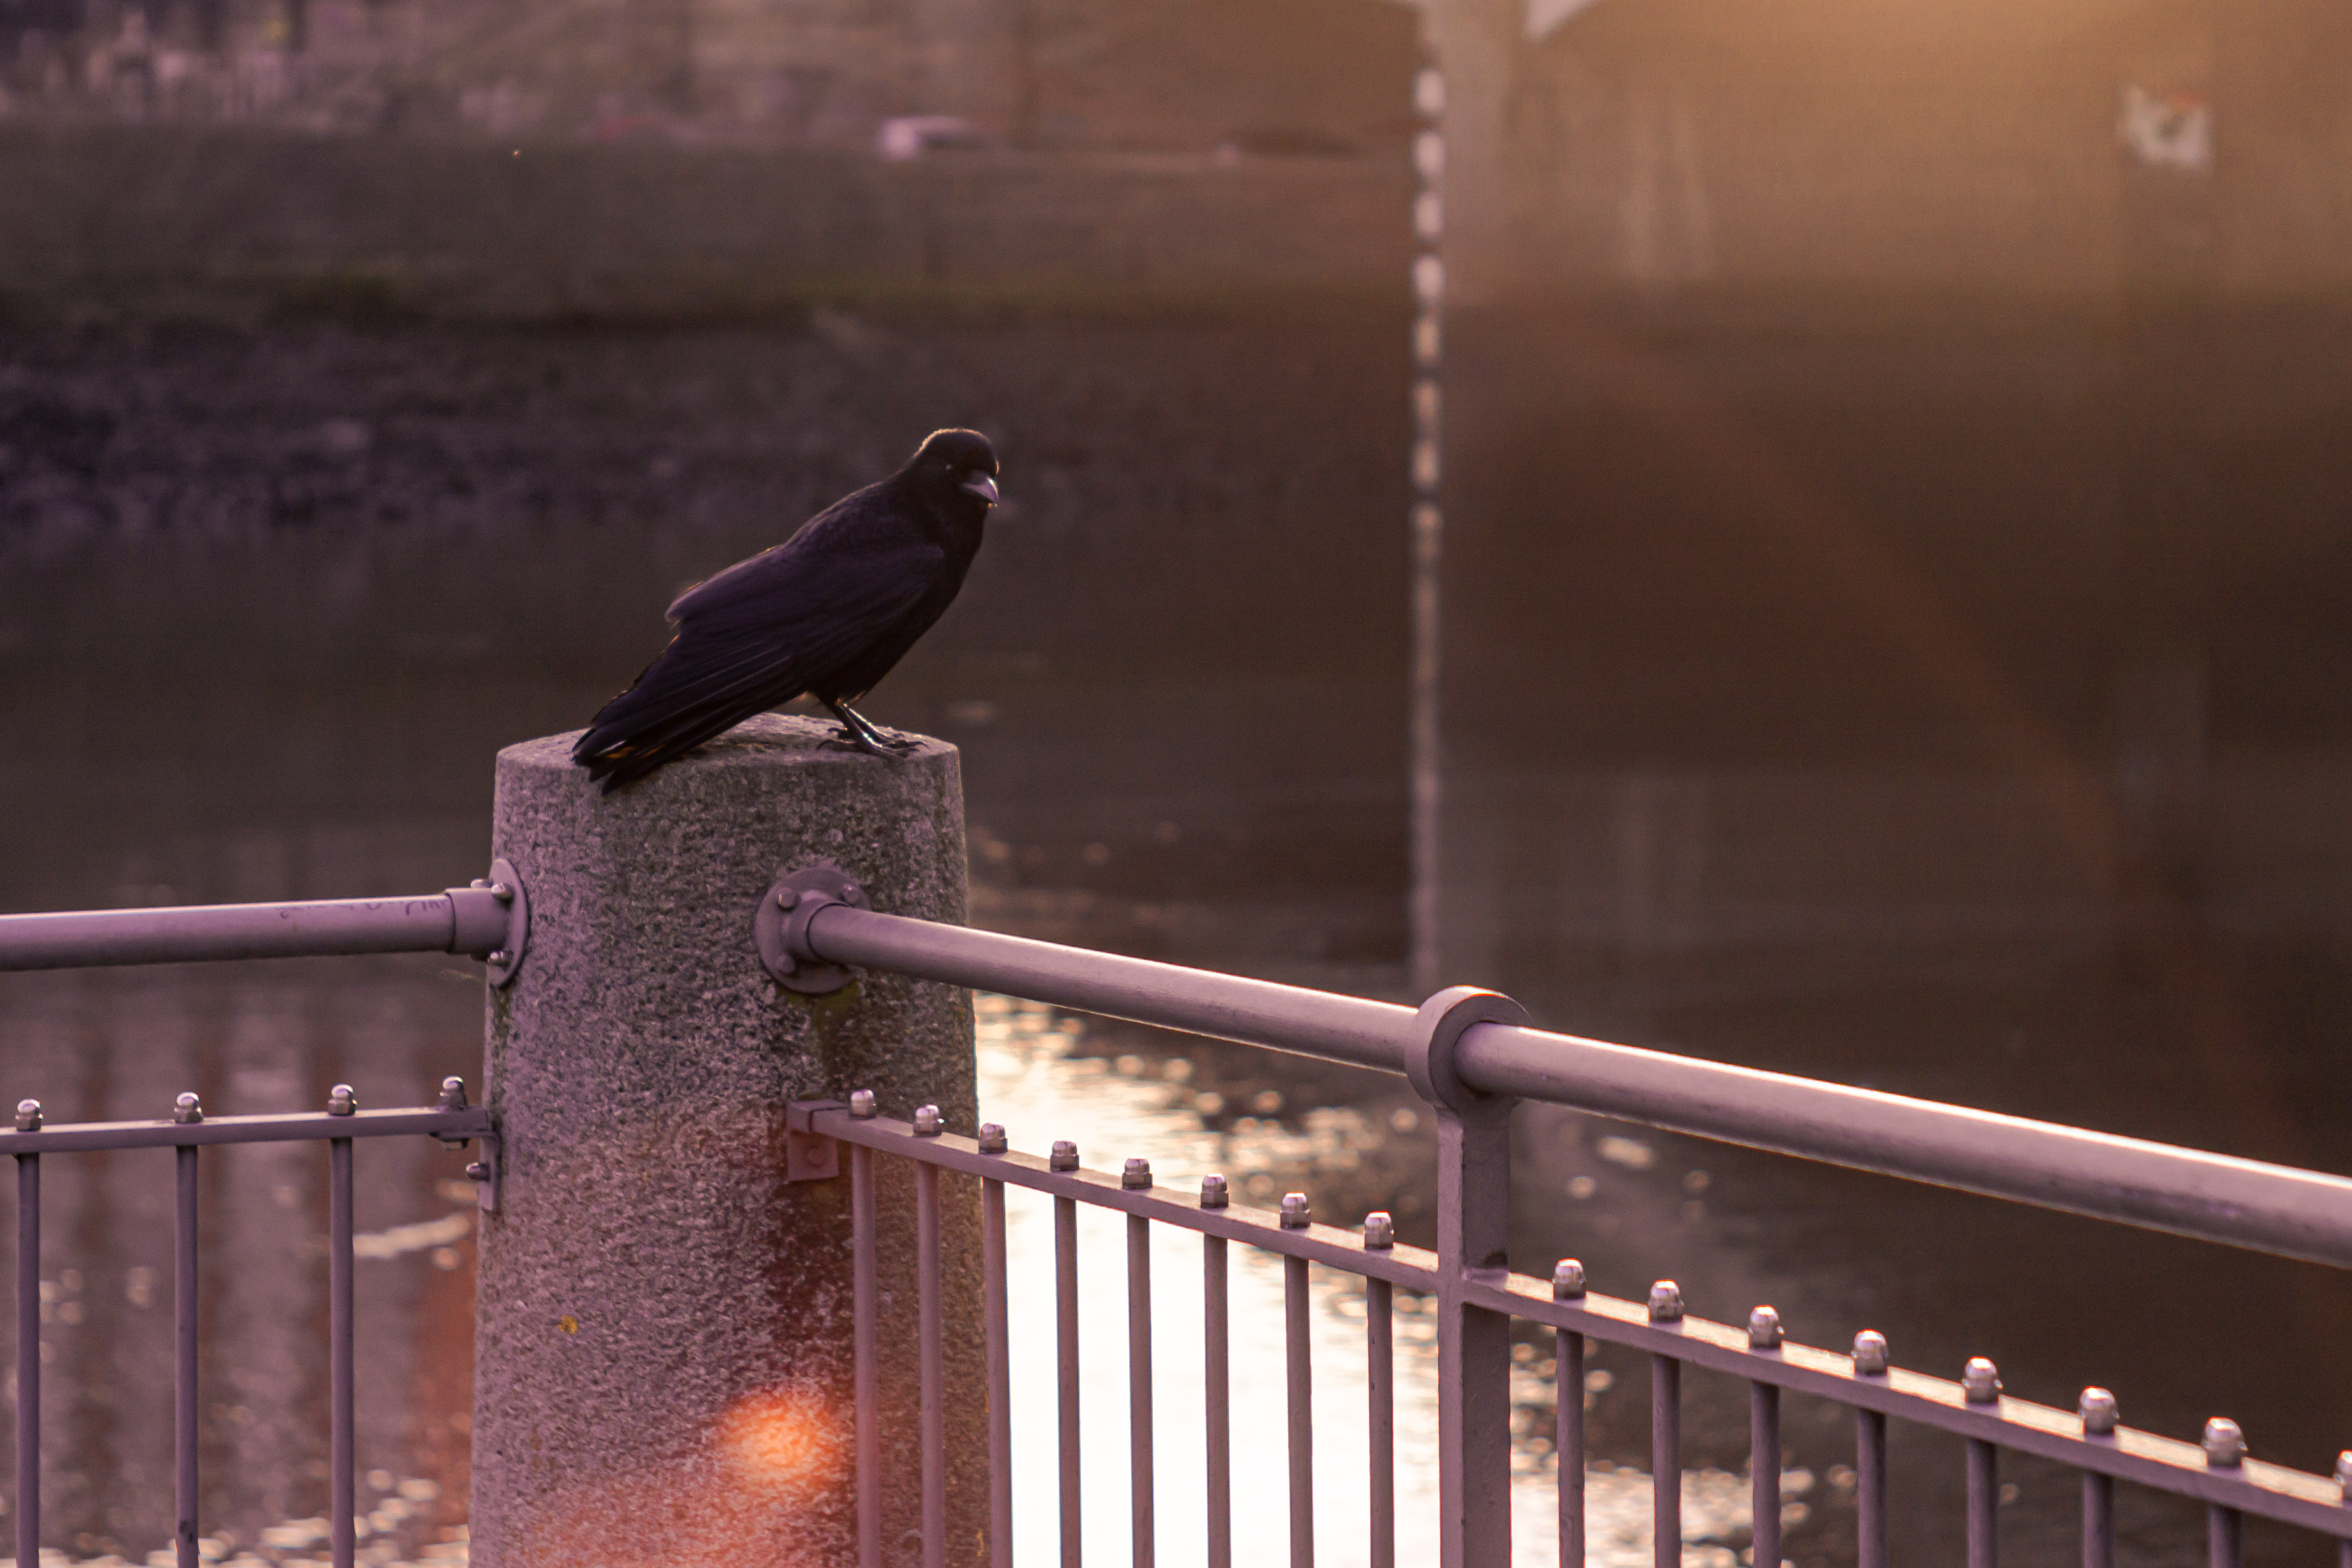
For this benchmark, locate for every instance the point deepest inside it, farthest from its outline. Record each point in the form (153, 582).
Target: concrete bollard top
(642, 908)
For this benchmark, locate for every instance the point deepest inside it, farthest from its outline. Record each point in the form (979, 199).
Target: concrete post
(662, 1361)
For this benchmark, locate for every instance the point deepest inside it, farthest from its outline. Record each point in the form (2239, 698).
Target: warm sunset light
(781, 1437)
(795, 783)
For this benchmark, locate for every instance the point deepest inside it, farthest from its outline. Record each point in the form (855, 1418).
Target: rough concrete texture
(664, 1335)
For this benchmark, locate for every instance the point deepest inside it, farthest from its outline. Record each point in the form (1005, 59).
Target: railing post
(1474, 1225)
(665, 1322)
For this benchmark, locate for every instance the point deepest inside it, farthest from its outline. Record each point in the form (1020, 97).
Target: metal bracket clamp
(809, 1156)
(1438, 1028)
(485, 1173)
(780, 926)
(491, 920)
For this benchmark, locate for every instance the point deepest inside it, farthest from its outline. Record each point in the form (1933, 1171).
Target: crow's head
(957, 461)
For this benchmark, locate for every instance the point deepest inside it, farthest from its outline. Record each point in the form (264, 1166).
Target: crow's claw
(851, 741)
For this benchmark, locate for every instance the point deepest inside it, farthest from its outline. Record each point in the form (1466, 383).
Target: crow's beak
(981, 486)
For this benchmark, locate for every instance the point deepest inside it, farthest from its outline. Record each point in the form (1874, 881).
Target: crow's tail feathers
(664, 716)
(617, 755)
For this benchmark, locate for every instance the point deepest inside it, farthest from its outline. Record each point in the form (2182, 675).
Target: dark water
(270, 598)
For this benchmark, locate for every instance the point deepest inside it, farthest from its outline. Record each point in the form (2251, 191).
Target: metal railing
(1470, 1055)
(490, 920)
(452, 1121)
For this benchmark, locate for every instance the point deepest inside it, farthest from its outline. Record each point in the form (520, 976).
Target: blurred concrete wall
(1167, 75)
(445, 227)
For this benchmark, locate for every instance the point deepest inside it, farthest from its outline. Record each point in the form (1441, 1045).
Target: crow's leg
(852, 736)
(857, 735)
(869, 738)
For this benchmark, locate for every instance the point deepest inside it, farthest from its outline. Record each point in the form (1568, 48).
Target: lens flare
(781, 1436)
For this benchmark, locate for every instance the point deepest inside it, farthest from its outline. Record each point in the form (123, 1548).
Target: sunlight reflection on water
(1030, 1081)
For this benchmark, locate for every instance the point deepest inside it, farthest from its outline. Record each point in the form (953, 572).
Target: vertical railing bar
(342, 1455)
(1666, 1461)
(865, 1356)
(1568, 1440)
(28, 1358)
(1984, 1501)
(1764, 1471)
(1379, 1357)
(1296, 1326)
(1000, 1376)
(1216, 1391)
(2099, 1521)
(184, 1386)
(1869, 1488)
(1066, 1304)
(1138, 1386)
(932, 1355)
(2225, 1537)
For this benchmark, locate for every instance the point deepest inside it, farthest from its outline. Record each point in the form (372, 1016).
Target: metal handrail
(85, 939)
(2246, 1204)
(490, 920)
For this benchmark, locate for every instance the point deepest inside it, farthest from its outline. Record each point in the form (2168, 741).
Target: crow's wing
(854, 538)
(763, 631)
(813, 603)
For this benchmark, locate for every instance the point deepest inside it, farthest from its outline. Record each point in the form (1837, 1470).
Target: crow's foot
(861, 734)
(851, 741)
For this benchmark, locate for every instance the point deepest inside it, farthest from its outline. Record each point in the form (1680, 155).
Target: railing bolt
(188, 1108)
(1980, 1380)
(502, 892)
(1665, 1303)
(2097, 1409)
(928, 1122)
(1137, 1174)
(29, 1116)
(479, 1170)
(850, 891)
(787, 898)
(497, 955)
(1870, 1353)
(992, 1138)
(1567, 1281)
(1294, 1211)
(452, 1094)
(2225, 1445)
(1763, 1329)
(342, 1102)
(2344, 1474)
(861, 1104)
(1380, 1231)
(1064, 1156)
(1213, 1192)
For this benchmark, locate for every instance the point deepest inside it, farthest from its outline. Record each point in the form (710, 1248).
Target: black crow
(827, 613)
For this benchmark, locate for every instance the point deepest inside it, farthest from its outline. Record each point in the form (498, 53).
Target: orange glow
(780, 1436)
(763, 1490)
